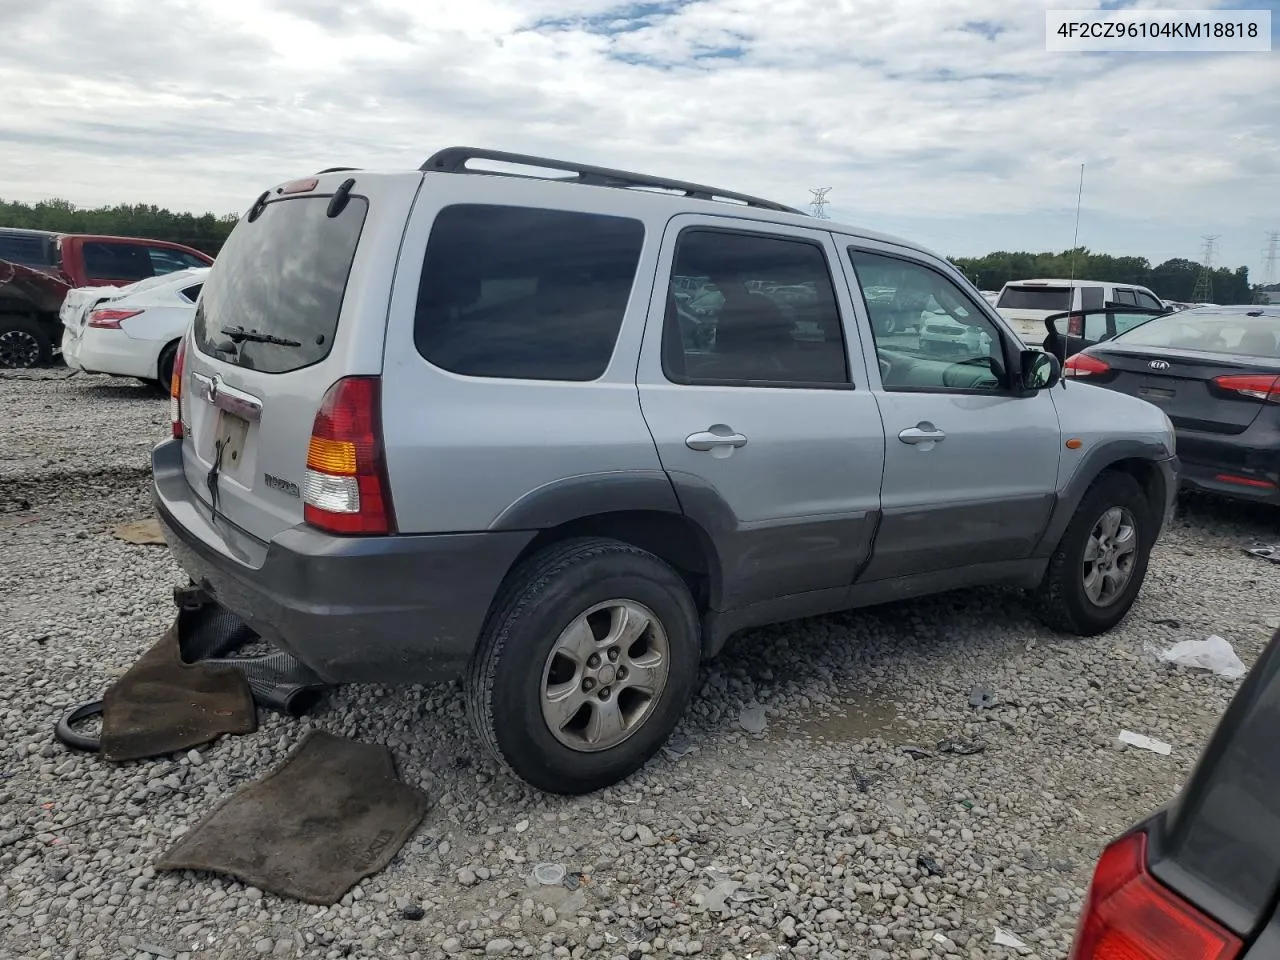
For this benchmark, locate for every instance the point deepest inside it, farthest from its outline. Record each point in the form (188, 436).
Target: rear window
(523, 293)
(1036, 298)
(283, 276)
(1232, 333)
(27, 250)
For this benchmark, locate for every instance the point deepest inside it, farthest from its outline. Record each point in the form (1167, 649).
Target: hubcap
(604, 675)
(19, 348)
(1109, 556)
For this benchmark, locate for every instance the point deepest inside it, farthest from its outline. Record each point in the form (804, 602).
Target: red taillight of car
(1264, 387)
(346, 489)
(1129, 915)
(1083, 365)
(1075, 325)
(109, 319)
(175, 389)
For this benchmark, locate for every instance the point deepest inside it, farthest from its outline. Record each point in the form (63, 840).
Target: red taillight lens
(175, 389)
(108, 319)
(1129, 915)
(1264, 387)
(346, 489)
(1083, 365)
(1075, 325)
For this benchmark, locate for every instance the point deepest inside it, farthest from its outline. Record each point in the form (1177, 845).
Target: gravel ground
(815, 837)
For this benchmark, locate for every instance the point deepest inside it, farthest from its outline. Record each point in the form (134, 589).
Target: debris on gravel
(785, 819)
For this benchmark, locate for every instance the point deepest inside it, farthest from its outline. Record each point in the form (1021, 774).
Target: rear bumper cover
(399, 609)
(1251, 458)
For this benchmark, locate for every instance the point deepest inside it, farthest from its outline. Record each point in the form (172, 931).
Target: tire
(1063, 600)
(517, 661)
(24, 343)
(164, 368)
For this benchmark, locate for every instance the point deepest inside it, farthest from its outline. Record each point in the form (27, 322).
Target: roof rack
(454, 160)
(334, 170)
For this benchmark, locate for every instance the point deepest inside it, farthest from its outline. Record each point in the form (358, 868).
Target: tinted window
(522, 293)
(1125, 296)
(123, 262)
(747, 309)
(1212, 332)
(164, 260)
(192, 293)
(1092, 298)
(26, 249)
(1036, 298)
(929, 335)
(1147, 300)
(283, 275)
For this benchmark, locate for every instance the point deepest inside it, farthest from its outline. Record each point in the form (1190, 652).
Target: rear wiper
(240, 334)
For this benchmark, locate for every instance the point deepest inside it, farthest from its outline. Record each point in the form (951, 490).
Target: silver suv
(563, 436)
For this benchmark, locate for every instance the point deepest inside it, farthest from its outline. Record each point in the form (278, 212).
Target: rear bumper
(400, 609)
(110, 351)
(1245, 466)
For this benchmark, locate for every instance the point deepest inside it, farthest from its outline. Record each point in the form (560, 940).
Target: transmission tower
(1269, 265)
(819, 202)
(1203, 292)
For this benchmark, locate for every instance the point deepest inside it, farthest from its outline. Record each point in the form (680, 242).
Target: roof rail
(454, 160)
(334, 170)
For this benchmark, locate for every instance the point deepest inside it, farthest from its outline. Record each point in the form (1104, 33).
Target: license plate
(230, 435)
(1156, 393)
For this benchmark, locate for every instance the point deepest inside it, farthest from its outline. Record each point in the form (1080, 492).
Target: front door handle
(922, 432)
(717, 437)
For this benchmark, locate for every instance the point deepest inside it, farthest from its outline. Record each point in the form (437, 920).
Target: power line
(819, 202)
(1269, 267)
(1203, 292)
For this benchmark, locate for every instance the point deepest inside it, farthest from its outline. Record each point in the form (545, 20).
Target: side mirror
(1038, 370)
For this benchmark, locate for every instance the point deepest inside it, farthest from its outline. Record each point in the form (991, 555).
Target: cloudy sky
(946, 122)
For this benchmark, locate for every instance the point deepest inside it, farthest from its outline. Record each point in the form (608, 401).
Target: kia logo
(1158, 365)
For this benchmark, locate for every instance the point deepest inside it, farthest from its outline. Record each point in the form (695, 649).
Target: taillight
(1264, 387)
(175, 389)
(109, 319)
(1129, 915)
(1083, 365)
(346, 489)
(1075, 325)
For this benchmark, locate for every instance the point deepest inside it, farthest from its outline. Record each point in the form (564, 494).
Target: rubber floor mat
(162, 705)
(333, 813)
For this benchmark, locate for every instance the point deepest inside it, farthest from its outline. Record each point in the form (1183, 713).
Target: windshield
(281, 276)
(1211, 332)
(1036, 298)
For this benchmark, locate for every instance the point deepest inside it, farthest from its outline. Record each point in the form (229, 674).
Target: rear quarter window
(1036, 298)
(525, 293)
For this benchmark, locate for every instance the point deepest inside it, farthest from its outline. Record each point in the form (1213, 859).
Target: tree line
(1172, 280)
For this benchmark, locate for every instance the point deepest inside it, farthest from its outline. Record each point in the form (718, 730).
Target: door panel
(759, 410)
(970, 468)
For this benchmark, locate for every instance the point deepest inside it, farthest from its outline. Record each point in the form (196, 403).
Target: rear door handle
(923, 432)
(712, 439)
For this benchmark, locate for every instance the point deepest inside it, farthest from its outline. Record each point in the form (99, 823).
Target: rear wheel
(1095, 574)
(586, 665)
(164, 368)
(24, 343)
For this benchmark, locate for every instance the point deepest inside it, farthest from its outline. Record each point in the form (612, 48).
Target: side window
(1125, 295)
(523, 293)
(125, 262)
(749, 309)
(1148, 301)
(164, 260)
(191, 293)
(929, 335)
(1092, 298)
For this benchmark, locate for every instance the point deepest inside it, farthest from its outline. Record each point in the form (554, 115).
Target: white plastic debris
(549, 874)
(1006, 939)
(1145, 742)
(1213, 653)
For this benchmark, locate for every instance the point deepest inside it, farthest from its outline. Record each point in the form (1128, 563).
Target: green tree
(205, 232)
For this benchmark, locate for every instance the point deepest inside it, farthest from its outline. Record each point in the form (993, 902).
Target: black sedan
(1215, 371)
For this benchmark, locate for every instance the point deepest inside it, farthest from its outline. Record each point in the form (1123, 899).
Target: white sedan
(130, 331)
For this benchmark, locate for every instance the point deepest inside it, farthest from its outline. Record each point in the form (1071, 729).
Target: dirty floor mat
(162, 705)
(333, 813)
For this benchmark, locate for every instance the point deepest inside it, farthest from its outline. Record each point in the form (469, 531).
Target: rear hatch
(1025, 305)
(296, 301)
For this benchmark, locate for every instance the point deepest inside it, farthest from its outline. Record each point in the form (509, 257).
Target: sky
(943, 122)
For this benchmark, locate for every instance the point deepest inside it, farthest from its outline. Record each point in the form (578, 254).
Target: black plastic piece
(69, 737)
(258, 206)
(454, 160)
(321, 173)
(338, 202)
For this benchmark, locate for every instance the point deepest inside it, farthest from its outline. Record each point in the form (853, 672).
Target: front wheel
(1097, 570)
(586, 664)
(24, 343)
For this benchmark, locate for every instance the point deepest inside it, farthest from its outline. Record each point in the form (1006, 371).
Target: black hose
(79, 741)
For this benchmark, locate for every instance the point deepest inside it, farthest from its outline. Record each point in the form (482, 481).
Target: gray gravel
(785, 818)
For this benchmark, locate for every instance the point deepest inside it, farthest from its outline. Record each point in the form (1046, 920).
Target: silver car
(443, 423)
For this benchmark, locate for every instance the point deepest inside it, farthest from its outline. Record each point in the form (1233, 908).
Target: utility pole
(1203, 292)
(1269, 266)
(819, 202)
